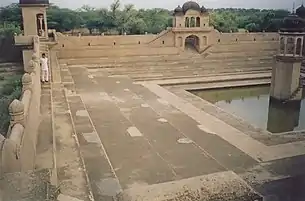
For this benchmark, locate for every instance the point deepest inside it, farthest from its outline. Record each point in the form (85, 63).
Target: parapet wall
(82, 41)
(227, 38)
(18, 150)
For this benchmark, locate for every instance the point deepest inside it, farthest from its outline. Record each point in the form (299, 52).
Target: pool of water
(254, 105)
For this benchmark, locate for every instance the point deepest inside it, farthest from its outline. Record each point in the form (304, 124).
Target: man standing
(44, 68)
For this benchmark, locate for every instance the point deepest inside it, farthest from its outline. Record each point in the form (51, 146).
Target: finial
(293, 8)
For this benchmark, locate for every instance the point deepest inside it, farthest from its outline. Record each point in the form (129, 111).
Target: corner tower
(34, 14)
(285, 83)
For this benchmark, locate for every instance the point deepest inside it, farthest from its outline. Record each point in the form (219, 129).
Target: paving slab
(230, 157)
(184, 158)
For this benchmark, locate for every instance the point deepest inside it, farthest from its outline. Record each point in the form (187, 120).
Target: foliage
(10, 90)
(125, 18)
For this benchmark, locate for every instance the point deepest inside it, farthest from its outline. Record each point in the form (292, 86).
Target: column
(45, 25)
(302, 39)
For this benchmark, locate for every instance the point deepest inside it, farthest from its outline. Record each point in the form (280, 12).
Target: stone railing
(18, 150)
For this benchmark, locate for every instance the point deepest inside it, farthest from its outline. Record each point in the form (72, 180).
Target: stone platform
(141, 141)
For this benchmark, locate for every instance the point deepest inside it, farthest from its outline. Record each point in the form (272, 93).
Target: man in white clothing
(44, 68)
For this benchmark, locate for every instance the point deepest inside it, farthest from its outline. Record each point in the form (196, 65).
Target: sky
(171, 4)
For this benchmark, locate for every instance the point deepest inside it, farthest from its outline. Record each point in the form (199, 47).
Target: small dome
(293, 23)
(203, 9)
(178, 10)
(16, 107)
(33, 2)
(301, 11)
(191, 5)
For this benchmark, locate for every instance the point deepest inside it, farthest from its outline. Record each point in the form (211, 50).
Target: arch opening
(197, 21)
(40, 23)
(282, 45)
(187, 22)
(192, 43)
(193, 22)
(299, 47)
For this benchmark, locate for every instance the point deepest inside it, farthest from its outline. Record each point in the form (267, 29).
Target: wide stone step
(177, 68)
(187, 61)
(183, 74)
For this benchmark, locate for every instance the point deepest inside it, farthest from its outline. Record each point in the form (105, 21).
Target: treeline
(121, 19)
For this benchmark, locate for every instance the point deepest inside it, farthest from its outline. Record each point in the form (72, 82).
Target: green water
(253, 105)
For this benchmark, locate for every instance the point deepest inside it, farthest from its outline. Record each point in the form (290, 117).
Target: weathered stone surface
(214, 187)
(28, 186)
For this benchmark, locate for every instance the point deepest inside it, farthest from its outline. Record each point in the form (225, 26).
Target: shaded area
(253, 105)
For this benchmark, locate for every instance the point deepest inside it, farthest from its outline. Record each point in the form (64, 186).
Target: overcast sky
(171, 4)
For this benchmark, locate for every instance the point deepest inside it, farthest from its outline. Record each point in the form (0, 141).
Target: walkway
(141, 142)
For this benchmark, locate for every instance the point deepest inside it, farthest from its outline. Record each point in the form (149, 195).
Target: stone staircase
(44, 49)
(222, 59)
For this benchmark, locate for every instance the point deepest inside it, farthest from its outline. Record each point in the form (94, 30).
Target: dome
(203, 9)
(178, 10)
(293, 23)
(301, 11)
(33, 2)
(191, 5)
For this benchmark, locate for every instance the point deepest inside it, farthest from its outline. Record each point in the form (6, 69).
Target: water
(254, 105)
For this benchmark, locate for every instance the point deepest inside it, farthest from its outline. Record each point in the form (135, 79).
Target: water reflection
(283, 117)
(253, 105)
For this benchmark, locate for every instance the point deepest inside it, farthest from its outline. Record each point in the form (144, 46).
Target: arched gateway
(191, 26)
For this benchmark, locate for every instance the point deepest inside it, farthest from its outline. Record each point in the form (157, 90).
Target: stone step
(70, 169)
(169, 74)
(180, 61)
(182, 55)
(177, 64)
(192, 68)
(184, 75)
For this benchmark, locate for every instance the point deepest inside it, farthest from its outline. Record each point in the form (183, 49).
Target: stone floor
(140, 141)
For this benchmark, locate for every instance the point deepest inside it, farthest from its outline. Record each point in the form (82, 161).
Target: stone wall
(82, 41)
(18, 150)
(141, 45)
(227, 38)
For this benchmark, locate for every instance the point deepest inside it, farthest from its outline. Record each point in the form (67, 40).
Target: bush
(10, 90)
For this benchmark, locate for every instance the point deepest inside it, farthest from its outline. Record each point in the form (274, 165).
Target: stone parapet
(18, 150)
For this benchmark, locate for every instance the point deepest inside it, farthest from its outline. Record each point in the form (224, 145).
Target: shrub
(10, 90)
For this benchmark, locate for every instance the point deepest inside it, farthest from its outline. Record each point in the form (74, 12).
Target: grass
(10, 89)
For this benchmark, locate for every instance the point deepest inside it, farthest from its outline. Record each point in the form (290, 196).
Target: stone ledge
(218, 186)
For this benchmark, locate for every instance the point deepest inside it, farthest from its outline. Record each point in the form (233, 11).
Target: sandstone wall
(141, 50)
(227, 38)
(76, 41)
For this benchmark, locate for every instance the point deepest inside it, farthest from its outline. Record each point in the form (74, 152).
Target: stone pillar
(285, 77)
(295, 47)
(46, 25)
(16, 111)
